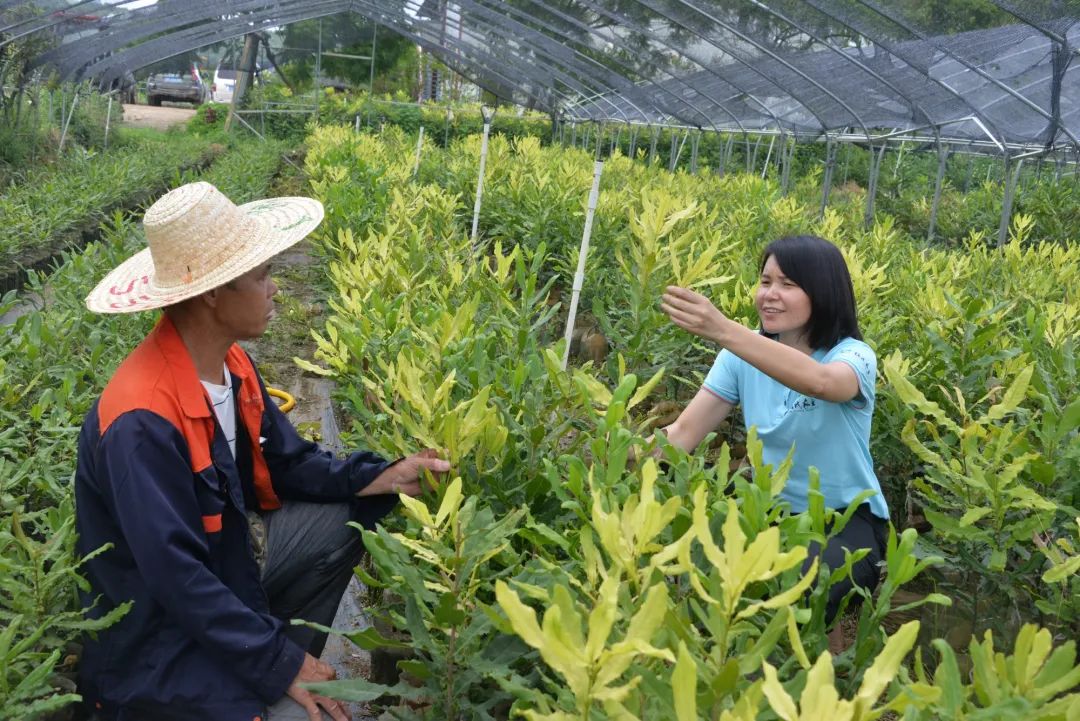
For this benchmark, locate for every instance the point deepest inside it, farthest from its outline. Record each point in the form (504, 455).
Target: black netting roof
(989, 70)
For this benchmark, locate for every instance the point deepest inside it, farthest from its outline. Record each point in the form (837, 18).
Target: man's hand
(695, 313)
(313, 671)
(407, 476)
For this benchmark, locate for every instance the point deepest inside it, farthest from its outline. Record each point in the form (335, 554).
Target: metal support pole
(939, 181)
(243, 77)
(786, 157)
(583, 251)
(108, 119)
(446, 128)
(573, 134)
(694, 152)
(1007, 201)
(652, 145)
(871, 191)
(480, 176)
(318, 74)
(633, 142)
(725, 158)
(371, 77)
(826, 182)
(753, 162)
(419, 145)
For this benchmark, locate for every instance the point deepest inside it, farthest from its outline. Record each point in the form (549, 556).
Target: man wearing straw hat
(182, 444)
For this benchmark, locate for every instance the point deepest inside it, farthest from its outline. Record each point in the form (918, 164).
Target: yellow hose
(289, 401)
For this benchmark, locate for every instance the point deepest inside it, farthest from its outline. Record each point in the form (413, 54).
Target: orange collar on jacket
(160, 376)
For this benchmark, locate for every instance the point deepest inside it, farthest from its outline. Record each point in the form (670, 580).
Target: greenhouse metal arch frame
(734, 64)
(1001, 81)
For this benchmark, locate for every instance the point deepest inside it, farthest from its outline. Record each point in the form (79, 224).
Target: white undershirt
(224, 408)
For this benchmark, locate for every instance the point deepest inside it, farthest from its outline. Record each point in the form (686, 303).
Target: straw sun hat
(198, 240)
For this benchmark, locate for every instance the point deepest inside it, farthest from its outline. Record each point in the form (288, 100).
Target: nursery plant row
(53, 363)
(678, 590)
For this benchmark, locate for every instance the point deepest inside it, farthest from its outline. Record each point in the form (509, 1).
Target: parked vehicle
(183, 87)
(224, 85)
(221, 91)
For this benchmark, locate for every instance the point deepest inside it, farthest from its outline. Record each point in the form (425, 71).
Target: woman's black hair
(818, 267)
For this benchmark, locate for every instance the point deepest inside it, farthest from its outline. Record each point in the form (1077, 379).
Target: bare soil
(161, 118)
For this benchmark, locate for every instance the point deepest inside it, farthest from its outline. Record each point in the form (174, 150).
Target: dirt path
(162, 118)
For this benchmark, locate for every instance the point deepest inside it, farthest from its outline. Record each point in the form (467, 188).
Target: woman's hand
(695, 313)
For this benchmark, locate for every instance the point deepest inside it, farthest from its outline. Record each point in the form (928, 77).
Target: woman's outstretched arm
(700, 418)
(694, 312)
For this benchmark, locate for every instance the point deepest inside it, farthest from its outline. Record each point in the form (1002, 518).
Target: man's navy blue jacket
(156, 479)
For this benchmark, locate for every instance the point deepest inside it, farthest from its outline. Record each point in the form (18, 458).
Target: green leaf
(684, 685)
(1013, 397)
(358, 690)
(782, 703)
(887, 663)
(973, 514)
(450, 504)
(1063, 571)
(370, 639)
(312, 368)
(1070, 418)
(947, 678)
(912, 396)
(419, 669)
(447, 613)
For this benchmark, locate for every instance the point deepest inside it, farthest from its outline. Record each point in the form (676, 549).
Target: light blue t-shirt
(832, 437)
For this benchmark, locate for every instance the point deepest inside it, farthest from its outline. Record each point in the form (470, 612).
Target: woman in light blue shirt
(806, 379)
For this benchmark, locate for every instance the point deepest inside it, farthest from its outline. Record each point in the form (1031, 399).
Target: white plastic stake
(579, 276)
(768, 156)
(356, 125)
(108, 117)
(63, 135)
(419, 145)
(480, 180)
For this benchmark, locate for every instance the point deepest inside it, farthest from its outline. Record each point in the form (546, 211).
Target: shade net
(997, 72)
